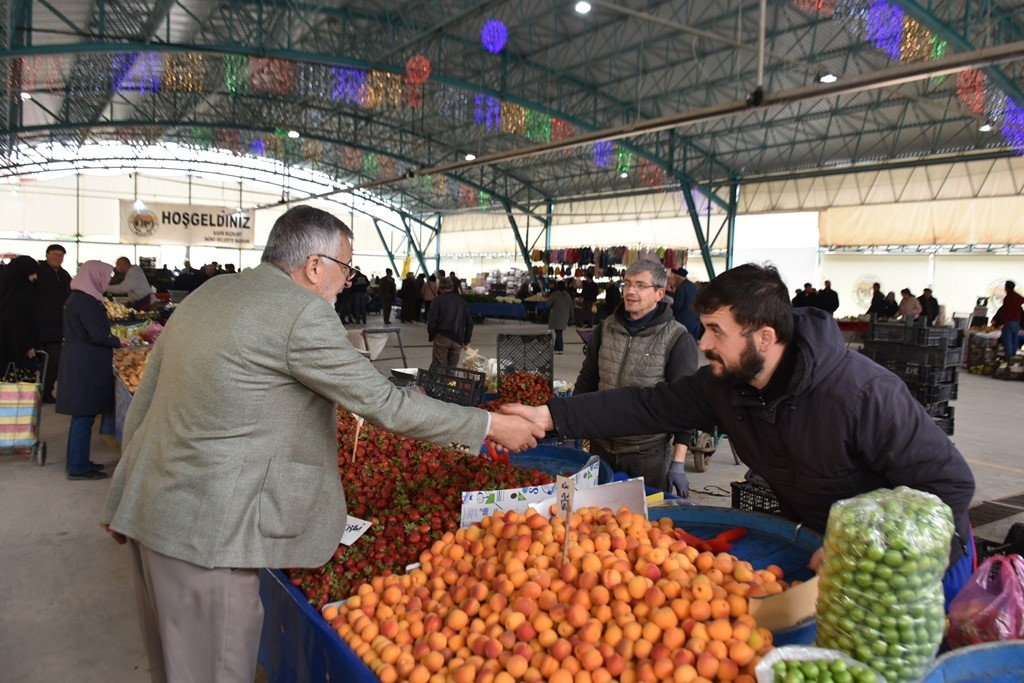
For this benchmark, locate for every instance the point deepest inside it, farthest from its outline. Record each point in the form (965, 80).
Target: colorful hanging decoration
(483, 200)
(352, 158)
(271, 75)
(236, 75)
(382, 90)
(538, 126)
(314, 118)
(823, 8)
(513, 118)
(202, 137)
(312, 80)
(35, 74)
(141, 72)
(258, 148)
(970, 88)
(487, 112)
(1013, 126)
(227, 139)
(623, 160)
(651, 174)
(371, 167)
(417, 71)
(184, 73)
(386, 167)
(561, 130)
(313, 150)
(348, 83)
(90, 75)
(995, 102)
(885, 27)
(452, 103)
(603, 153)
(467, 195)
(916, 44)
(494, 35)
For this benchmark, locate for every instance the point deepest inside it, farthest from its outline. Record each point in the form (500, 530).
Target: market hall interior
(69, 606)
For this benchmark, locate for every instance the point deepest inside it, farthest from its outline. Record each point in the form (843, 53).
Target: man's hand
(677, 481)
(816, 559)
(538, 415)
(120, 538)
(513, 432)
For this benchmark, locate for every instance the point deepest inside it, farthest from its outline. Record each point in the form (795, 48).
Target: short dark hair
(560, 286)
(56, 247)
(1010, 285)
(757, 296)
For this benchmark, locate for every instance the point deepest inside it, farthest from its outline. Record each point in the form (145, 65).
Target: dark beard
(751, 365)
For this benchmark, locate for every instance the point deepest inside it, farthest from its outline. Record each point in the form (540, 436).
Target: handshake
(517, 427)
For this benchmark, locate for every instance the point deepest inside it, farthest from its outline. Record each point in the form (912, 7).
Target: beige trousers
(199, 625)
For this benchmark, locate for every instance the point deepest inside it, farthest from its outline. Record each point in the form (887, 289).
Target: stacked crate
(926, 358)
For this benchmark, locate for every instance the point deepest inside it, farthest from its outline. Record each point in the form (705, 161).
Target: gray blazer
(230, 456)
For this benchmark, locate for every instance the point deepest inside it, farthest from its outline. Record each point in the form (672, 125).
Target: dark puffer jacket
(845, 426)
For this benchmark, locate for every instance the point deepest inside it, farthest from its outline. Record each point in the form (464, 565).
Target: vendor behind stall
(818, 422)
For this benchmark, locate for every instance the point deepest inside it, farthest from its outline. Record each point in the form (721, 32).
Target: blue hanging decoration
(603, 153)
(258, 148)
(348, 83)
(885, 28)
(494, 35)
(487, 112)
(1013, 126)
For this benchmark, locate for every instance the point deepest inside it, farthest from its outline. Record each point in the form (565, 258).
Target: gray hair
(301, 232)
(658, 276)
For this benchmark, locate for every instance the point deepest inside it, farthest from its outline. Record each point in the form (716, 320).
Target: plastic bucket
(556, 460)
(985, 663)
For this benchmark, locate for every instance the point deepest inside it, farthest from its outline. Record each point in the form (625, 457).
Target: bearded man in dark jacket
(640, 344)
(818, 422)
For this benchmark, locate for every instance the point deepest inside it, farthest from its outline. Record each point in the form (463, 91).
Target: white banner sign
(212, 226)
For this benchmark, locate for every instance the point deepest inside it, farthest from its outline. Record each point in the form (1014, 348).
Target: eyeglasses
(642, 286)
(347, 266)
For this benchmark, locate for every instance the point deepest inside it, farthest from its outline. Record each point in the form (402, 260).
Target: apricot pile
(495, 603)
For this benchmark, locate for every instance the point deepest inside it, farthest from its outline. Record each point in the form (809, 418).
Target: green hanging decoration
(538, 126)
(236, 74)
(202, 137)
(483, 200)
(371, 166)
(624, 161)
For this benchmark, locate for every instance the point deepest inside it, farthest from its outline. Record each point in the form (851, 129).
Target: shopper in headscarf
(85, 385)
(19, 334)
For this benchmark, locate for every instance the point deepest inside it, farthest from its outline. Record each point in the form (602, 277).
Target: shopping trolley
(21, 397)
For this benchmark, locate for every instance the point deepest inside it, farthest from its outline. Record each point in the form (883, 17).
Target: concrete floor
(66, 594)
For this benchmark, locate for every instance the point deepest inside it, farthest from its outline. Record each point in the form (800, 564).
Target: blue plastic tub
(556, 460)
(769, 540)
(985, 663)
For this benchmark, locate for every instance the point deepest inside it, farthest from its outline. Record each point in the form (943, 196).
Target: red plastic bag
(990, 606)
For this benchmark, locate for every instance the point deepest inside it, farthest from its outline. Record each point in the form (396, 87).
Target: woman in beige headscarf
(85, 385)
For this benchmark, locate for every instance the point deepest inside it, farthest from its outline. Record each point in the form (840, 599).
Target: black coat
(843, 426)
(449, 317)
(85, 383)
(18, 330)
(52, 290)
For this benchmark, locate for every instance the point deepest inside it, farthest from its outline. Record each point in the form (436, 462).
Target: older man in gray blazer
(230, 455)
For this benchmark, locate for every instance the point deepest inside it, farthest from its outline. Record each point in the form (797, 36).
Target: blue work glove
(677, 481)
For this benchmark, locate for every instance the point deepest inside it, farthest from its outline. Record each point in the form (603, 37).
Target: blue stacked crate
(926, 358)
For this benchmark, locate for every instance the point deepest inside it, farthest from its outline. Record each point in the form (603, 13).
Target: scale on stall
(979, 318)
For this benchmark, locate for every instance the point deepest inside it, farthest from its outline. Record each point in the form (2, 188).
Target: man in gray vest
(640, 344)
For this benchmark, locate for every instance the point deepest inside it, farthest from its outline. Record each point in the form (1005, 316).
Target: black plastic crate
(747, 496)
(945, 422)
(916, 373)
(452, 385)
(938, 357)
(526, 353)
(918, 334)
(940, 409)
(937, 393)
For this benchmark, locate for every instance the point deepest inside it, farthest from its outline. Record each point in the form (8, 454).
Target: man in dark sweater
(449, 325)
(818, 422)
(641, 344)
(52, 288)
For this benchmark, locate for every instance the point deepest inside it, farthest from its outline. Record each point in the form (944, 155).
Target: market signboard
(186, 224)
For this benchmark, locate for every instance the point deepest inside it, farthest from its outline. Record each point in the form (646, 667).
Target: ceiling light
(985, 127)
(139, 205)
(26, 96)
(623, 175)
(582, 7)
(470, 156)
(827, 77)
(293, 134)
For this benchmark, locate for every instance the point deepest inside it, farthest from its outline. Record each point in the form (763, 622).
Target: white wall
(789, 241)
(892, 271)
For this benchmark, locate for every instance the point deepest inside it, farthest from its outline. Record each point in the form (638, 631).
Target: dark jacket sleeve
(469, 323)
(681, 362)
(432, 320)
(589, 378)
(97, 328)
(632, 411)
(911, 450)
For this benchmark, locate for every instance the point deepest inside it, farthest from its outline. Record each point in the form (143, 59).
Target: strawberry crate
(532, 353)
(938, 357)
(754, 498)
(452, 385)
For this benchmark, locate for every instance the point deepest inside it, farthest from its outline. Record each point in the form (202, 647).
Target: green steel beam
(387, 247)
(414, 245)
(524, 252)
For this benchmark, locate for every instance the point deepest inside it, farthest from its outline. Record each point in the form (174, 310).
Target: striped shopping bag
(19, 414)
